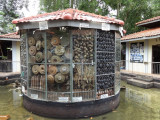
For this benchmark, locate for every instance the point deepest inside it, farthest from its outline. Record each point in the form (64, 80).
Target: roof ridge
(9, 34)
(148, 20)
(13, 35)
(147, 32)
(69, 14)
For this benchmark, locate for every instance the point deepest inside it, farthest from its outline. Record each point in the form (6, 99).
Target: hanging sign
(34, 96)
(105, 27)
(77, 99)
(121, 30)
(84, 25)
(43, 25)
(63, 99)
(104, 96)
(137, 52)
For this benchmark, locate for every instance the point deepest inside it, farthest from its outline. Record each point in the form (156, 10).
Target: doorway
(5, 56)
(156, 59)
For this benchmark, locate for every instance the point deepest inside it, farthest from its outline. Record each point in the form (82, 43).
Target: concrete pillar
(127, 55)
(146, 55)
(15, 56)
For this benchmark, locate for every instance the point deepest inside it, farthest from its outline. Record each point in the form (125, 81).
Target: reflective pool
(135, 104)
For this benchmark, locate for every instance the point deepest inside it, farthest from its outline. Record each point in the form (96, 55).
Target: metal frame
(95, 68)
(108, 62)
(116, 39)
(71, 67)
(69, 23)
(10, 39)
(115, 64)
(22, 65)
(45, 63)
(27, 62)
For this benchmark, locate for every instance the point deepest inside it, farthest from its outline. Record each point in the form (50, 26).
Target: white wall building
(143, 48)
(10, 53)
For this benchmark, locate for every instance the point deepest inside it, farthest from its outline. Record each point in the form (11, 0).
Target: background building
(10, 53)
(143, 48)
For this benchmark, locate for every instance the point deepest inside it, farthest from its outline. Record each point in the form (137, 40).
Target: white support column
(15, 56)
(146, 55)
(127, 55)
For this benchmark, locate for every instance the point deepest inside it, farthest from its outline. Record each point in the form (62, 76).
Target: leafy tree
(116, 5)
(133, 12)
(54, 5)
(8, 12)
(155, 4)
(93, 6)
(130, 11)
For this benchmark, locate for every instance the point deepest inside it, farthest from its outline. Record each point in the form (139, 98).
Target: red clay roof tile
(141, 34)
(10, 35)
(69, 14)
(148, 20)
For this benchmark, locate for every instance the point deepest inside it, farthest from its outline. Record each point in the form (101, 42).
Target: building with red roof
(10, 52)
(143, 48)
(70, 62)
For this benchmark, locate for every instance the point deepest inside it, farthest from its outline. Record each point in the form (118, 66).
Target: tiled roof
(145, 33)
(148, 20)
(10, 35)
(69, 14)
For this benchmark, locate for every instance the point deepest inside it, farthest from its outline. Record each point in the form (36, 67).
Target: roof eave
(71, 23)
(142, 38)
(142, 24)
(10, 39)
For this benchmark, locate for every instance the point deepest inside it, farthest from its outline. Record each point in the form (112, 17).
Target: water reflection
(16, 98)
(135, 104)
(137, 96)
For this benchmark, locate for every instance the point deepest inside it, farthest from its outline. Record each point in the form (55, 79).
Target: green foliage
(155, 4)
(130, 11)
(8, 12)
(133, 12)
(53, 5)
(93, 6)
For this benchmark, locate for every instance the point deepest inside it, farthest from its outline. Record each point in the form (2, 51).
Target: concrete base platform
(140, 83)
(71, 110)
(156, 84)
(141, 80)
(7, 78)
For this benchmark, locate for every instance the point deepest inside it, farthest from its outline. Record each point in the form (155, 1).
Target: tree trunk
(71, 3)
(118, 9)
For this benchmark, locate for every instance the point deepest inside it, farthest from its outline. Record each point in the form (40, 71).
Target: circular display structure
(70, 68)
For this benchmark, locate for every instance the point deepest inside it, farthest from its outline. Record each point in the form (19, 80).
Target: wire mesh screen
(23, 57)
(105, 62)
(60, 64)
(118, 62)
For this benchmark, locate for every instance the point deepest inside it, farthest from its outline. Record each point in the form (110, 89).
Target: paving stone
(156, 84)
(144, 78)
(139, 83)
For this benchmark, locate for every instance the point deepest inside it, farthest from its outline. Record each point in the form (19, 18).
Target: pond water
(135, 104)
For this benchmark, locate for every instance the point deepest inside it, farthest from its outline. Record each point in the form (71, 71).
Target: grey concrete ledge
(139, 80)
(6, 79)
(71, 110)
